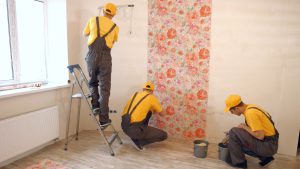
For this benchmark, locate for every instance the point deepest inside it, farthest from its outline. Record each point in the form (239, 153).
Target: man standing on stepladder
(102, 32)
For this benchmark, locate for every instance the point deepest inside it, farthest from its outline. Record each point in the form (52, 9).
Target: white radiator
(25, 132)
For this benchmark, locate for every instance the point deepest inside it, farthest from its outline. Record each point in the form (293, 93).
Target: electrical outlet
(112, 111)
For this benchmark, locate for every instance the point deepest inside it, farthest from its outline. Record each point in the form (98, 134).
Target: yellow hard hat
(149, 86)
(232, 101)
(110, 9)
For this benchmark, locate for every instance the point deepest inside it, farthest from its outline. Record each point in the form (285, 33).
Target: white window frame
(13, 37)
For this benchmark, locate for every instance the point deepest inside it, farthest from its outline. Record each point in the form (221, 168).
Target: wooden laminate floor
(91, 152)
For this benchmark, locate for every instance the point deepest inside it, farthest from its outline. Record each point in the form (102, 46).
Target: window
(23, 42)
(5, 63)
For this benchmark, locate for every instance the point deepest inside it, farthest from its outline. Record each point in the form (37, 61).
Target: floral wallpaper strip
(178, 64)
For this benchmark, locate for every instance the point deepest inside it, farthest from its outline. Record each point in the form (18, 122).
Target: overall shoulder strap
(111, 29)
(98, 26)
(138, 103)
(131, 102)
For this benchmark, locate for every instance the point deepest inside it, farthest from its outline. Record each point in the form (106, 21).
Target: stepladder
(80, 91)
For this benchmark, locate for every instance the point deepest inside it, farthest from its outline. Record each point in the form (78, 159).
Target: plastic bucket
(223, 151)
(200, 148)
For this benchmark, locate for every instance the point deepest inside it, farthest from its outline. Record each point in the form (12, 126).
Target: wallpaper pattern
(178, 64)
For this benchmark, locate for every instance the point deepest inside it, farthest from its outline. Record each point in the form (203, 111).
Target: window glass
(31, 40)
(6, 72)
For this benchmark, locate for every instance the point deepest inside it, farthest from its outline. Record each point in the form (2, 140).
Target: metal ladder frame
(81, 82)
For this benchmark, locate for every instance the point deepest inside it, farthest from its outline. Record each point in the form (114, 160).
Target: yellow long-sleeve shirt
(105, 25)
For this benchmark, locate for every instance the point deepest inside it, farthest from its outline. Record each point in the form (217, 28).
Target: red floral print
(205, 11)
(202, 94)
(171, 33)
(170, 110)
(204, 53)
(188, 134)
(171, 73)
(200, 133)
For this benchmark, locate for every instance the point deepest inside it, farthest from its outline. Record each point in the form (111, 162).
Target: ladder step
(104, 125)
(113, 137)
(79, 95)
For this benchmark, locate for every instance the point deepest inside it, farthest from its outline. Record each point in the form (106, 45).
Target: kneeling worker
(136, 116)
(258, 137)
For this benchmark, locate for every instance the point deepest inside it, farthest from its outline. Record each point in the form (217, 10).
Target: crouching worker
(136, 116)
(258, 137)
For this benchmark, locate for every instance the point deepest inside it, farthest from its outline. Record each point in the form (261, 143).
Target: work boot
(108, 121)
(238, 165)
(137, 144)
(266, 161)
(96, 111)
(104, 118)
(104, 124)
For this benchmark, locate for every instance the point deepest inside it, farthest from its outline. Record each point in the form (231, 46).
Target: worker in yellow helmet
(258, 137)
(102, 33)
(137, 114)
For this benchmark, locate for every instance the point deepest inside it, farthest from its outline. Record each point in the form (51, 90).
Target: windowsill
(30, 90)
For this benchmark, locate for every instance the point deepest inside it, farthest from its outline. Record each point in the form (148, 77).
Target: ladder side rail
(118, 137)
(78, 116)
(84, 77)
(69, 116)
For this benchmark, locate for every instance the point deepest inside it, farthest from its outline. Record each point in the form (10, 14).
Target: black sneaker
(108, 121)
(266, 161)
(137, 145)
(96, 111)
(238, 165)
(241, 165)
(104, 124)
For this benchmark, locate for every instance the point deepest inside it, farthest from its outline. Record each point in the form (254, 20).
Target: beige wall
(255, 53)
